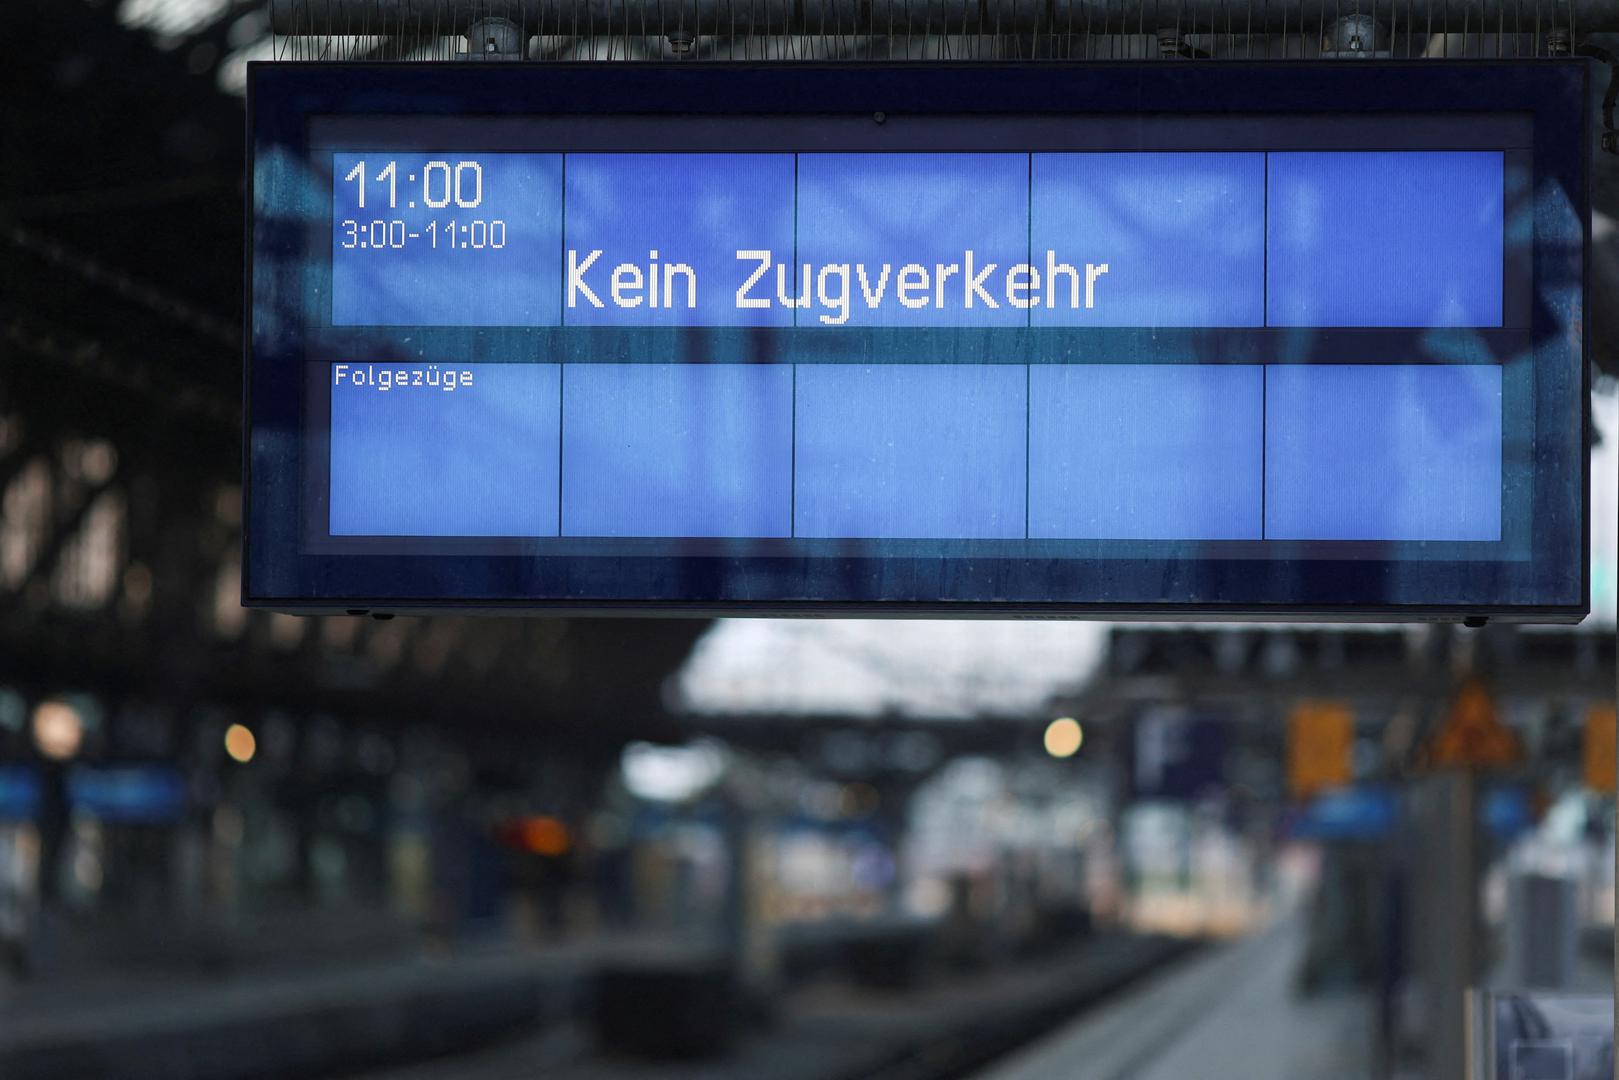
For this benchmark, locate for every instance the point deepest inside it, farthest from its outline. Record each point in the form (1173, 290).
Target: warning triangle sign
(1473, 735)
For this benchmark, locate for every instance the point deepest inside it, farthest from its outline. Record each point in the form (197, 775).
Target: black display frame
(283, 570)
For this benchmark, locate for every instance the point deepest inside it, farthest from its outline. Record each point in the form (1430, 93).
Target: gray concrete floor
(1231, 1014)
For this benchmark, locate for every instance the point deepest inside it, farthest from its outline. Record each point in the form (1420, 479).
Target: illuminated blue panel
(910, 450)
(696, 210)
(677, 450)
(480, 460)
(19, 793)
(922, 210)
(129, 794)
(1145, 452)
(1383, 452)
(1386, 239)
(496, 263)
(1182, 237)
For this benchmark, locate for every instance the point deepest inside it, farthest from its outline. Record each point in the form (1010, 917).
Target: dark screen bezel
(279, 572)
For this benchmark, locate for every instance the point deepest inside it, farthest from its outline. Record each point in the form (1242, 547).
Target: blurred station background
(237, 844)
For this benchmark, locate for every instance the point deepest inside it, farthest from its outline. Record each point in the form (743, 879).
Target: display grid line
(1028, 369)
(792, 470)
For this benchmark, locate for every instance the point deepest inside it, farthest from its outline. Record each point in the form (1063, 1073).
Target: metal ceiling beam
(1540, 18)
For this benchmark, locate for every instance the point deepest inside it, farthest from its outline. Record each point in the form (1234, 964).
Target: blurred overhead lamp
(240, 743)
(1064, 737)
(58, 730)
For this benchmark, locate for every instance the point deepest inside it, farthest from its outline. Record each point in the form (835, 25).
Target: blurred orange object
(1320, 747)
(1600, 757)
(1473, 735)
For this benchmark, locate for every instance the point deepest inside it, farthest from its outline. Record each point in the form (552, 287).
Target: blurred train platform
(1238, 1012)
(491, 1009)
(835, 1031)
(299, 1018)
(1231, 1013)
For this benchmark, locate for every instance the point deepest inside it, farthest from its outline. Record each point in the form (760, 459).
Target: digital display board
(1270, 339)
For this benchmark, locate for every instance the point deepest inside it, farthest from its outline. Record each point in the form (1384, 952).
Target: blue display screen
(881, 239)
(1122, 358)
(904, 447)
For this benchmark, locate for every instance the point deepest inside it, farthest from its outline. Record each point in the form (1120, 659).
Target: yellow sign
(1601, 759)
(1473, 736)
(1320, 747)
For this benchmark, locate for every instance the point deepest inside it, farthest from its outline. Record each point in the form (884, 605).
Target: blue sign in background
(1176, 755)
(19, 793)
(130, 794)
(134, 794)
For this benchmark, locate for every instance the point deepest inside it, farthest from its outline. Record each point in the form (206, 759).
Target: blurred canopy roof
(920, 670)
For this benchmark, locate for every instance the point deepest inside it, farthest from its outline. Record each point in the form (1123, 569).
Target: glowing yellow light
(1064, 737)
(58, 730)
(240, 743)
